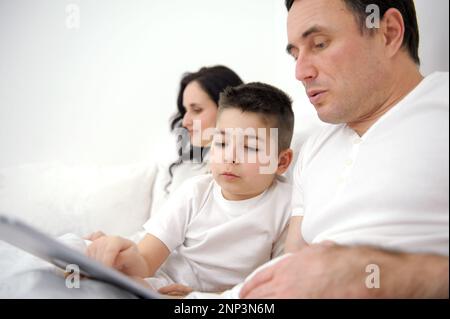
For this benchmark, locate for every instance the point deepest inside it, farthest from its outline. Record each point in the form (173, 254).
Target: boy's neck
(241, 197)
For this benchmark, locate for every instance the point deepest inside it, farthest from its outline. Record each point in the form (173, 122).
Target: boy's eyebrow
(254, 137)
(222, 132)
(314, 29)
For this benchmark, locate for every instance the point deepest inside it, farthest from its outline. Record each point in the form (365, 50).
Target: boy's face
(241, 154)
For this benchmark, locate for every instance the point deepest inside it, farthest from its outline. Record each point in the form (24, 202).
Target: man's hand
(119, 253)
(305, 274)
(331, 271)
(177, 290)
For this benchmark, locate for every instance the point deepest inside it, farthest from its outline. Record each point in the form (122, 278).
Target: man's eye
(321, 45)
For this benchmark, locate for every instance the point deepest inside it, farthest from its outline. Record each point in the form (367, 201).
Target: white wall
(433, 16)
(103, 93)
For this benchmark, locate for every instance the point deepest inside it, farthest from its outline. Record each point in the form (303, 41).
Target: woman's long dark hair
(213, 80)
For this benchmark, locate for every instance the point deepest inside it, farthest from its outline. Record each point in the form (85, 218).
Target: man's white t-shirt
(388, 188)
(215, 243)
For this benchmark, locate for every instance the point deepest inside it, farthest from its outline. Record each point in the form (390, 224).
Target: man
(371, 190)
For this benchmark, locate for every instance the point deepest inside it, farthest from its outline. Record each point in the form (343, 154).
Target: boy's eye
(219, 144)
(251, 148)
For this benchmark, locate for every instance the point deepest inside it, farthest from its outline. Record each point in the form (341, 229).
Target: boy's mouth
(229, 175)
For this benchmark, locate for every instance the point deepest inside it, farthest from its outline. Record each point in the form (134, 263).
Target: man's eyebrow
(306, 34)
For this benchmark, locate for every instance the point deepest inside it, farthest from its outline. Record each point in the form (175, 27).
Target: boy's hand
(95, 235)
(119, 253)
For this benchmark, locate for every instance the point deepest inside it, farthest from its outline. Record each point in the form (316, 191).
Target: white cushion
(59, 199)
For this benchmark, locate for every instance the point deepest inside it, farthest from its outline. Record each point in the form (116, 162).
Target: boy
(216, 229)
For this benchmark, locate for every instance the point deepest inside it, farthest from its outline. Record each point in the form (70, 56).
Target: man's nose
(304, 69)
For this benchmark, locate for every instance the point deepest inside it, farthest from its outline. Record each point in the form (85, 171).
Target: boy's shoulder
(282, 186)
(198, 184)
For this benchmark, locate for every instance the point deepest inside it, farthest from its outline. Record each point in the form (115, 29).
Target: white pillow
(59, 199)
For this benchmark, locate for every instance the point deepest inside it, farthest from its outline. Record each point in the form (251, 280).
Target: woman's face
(200, 114)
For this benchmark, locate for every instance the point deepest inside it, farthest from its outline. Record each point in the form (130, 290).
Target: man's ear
(284, 160)
(393, 31)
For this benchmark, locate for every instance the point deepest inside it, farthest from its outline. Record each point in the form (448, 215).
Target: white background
(103, 93)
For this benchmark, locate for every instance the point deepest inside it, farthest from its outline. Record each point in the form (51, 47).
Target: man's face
(340, 67)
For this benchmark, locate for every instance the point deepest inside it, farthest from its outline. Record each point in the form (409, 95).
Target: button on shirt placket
(349, 162)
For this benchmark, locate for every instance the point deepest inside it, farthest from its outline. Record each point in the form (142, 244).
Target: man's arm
(294, 240)
(325, 271)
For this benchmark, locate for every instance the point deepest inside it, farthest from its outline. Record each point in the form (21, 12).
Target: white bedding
(25, 276)
(59, 199)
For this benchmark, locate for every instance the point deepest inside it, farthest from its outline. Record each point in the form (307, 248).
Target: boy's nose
(230, 155)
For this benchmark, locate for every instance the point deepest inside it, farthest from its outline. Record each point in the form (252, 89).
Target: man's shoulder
(432, 91)
(319, 138)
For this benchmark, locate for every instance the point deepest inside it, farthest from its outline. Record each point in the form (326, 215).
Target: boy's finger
(110, 254)
(95, 235)
(113, 248)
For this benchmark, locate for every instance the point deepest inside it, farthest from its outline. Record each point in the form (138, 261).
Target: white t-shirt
(215, 243)
(388, 188)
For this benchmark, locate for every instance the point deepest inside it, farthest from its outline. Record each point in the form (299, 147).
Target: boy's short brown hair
(274, 106)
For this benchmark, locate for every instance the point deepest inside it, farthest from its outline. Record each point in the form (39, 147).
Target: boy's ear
(284, 160)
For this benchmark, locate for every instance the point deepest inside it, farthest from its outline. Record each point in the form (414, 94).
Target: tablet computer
(27, 238)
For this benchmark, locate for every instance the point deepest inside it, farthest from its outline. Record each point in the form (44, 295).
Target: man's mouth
(316, 95)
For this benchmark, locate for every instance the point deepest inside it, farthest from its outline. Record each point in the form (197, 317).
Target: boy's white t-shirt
(388, 188)
(215, 243)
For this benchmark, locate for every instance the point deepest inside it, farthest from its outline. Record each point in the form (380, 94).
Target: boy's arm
(294, 240)
(154, 252)
(124, 255)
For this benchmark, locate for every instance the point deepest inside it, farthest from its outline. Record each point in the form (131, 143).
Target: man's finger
(175, 289)
(327, 243)
(263, 291)
(259, 279)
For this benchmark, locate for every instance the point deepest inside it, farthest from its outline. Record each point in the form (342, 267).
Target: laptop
(45, 247)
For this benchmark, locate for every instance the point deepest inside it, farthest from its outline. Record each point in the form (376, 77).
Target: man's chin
(326, 116)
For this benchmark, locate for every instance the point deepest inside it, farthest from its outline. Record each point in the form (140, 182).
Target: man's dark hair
(272, 104)
(406, 8)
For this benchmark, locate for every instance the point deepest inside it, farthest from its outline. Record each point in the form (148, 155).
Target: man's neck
(401, 84)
